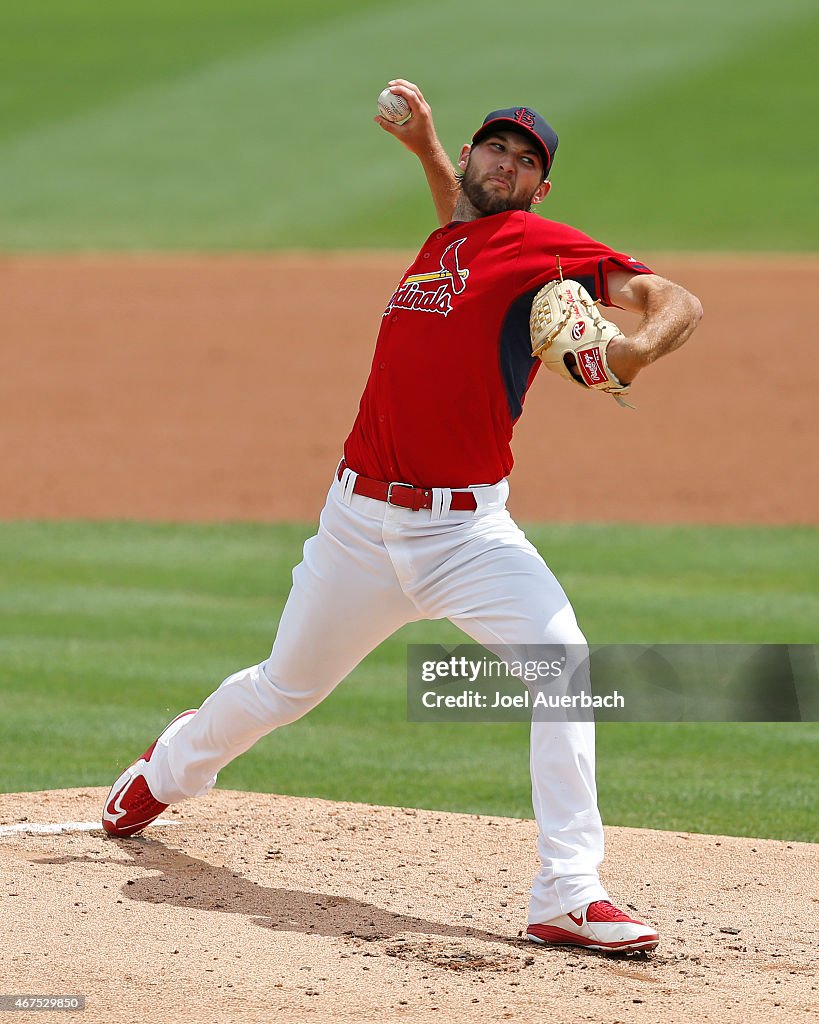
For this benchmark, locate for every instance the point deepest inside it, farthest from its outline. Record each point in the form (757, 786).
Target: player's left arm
(669, 316)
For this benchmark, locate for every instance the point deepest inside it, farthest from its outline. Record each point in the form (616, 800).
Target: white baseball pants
(372, 568)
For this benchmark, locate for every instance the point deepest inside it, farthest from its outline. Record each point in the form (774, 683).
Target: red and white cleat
(599, 926)
(131, 805)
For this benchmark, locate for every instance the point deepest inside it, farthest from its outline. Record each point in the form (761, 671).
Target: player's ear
(463, 159)
(543, 190)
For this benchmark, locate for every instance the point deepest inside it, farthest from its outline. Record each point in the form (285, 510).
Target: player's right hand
(418, 133)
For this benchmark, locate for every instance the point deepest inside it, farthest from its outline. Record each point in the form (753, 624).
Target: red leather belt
(406, 495)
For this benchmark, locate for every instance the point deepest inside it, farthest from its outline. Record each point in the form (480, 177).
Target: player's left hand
(572, 339)
(418, 133)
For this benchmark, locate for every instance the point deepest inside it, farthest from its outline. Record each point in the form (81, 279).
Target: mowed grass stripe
(89, 676)
(266, 143)
(66, 59)
(714, 142)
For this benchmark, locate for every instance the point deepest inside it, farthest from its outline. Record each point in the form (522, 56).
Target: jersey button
(393, 318)
(426, 255)
(381, 419)
(440, 234)
(382, 366)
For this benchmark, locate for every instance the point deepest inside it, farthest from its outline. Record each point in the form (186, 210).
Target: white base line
(45, 829)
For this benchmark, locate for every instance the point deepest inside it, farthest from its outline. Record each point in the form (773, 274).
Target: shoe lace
(603, 910)
(141, 799)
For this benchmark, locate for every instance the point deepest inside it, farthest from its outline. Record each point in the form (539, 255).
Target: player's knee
(287, 698)
(563, 629)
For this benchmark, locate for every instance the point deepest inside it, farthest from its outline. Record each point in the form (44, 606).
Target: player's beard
(488, 201)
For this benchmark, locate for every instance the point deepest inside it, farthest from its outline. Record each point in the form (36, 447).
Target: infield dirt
(252, 908)
(219, 388)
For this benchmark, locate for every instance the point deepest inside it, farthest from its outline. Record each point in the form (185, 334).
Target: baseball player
(415, 524)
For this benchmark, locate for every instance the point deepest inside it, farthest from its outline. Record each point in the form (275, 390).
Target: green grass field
(107, 629)
(684, 125)
(207, 126)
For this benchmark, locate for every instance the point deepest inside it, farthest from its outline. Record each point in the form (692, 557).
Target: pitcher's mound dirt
(252, 908)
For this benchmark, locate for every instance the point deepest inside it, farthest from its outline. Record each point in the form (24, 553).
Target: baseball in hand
(393, 107)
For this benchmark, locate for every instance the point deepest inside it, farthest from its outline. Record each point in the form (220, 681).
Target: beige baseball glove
(568, 333)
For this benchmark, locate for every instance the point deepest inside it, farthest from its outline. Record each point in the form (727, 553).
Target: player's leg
(345, 600)
(500, 592)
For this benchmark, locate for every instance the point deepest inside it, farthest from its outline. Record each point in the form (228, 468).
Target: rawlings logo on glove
(570, 337)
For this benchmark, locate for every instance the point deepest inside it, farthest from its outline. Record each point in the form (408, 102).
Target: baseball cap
(527, 121)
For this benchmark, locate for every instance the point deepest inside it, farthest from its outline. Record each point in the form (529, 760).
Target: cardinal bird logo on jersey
(433, 292)
(449, 265)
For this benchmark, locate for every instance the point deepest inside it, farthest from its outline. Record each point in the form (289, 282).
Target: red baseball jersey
(453, 359)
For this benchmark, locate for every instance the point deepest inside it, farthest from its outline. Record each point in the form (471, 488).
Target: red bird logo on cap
(525, 117)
